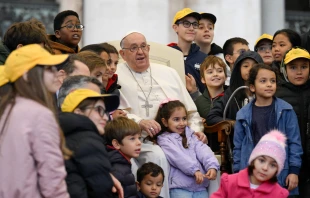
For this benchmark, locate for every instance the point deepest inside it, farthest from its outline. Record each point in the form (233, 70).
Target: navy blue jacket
(286, 122)
(192, 63)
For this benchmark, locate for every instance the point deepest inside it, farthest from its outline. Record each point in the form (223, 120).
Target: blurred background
(107, 20)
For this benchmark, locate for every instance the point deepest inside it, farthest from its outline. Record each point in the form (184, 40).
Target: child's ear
(164, 121)
(138, 185)
(203, 80)
(116, 144)
(175, 27)
(57, 34)
(252, 88)
(78, 111)
(229, 59)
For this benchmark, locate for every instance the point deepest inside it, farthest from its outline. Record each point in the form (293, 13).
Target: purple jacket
(185, 162)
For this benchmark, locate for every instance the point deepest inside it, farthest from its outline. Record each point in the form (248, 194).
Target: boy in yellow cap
(295, 91)
(185, 24)
(263, 47)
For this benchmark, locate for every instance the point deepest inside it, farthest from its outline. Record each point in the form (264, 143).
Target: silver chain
(146, 98)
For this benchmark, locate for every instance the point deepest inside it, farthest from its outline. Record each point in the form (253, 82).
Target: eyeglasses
(264, 48)
(187, 24)
(100, 110)
(71, 27)
(143, 47)
(241, 51)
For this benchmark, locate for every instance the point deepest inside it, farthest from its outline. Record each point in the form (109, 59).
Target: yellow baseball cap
(27, 57)
(3, 78)
(74, 98)
(262, 37)
(295, 53)
(185, 12)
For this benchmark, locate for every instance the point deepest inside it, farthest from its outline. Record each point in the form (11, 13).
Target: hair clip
(165, 101)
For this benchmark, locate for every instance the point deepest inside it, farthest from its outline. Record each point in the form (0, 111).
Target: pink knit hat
(273, 145)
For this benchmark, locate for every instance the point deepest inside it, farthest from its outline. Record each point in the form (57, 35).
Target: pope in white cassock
(144, 86)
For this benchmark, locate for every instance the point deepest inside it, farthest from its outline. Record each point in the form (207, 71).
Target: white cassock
(166, 83)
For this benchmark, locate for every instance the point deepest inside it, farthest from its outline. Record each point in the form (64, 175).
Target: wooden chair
(222, 129)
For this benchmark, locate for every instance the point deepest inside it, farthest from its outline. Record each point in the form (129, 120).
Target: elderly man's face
(136, 52)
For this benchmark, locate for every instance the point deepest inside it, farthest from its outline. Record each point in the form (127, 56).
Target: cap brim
(296, 57)
(53, 60)
(208, 16)
(111, 101)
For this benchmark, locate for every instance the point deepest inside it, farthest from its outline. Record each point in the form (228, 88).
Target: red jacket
(238, 185)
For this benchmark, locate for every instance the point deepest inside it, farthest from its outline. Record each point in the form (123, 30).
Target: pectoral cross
(147, 106)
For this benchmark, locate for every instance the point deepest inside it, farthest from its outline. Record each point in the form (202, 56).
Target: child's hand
(190, 83)
(202, 137)
(199, 177)
(117, 187)
(291, 181)
(211, 174)
(119, 113)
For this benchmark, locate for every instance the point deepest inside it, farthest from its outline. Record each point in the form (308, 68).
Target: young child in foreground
(150, 179)
(192, 162)
(259, 179)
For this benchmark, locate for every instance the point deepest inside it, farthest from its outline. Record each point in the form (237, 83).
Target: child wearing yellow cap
(31, 159)
(295, 91)
(263, 47)
(185, 24)
(83, 119)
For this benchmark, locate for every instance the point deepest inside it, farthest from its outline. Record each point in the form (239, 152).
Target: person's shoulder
(23, 104)
(282, 104)
(280, 191)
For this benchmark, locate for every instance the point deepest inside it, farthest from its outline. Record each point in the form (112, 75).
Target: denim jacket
(286, 122)
(185, 162)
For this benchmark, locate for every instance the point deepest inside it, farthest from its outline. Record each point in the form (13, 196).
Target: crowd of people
(77, 123)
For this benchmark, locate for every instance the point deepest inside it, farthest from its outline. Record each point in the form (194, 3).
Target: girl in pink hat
(259, 179)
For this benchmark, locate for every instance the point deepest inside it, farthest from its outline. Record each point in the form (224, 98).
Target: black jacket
(121, 169)
(140, 195)
(88, 170)
(215, 49)
(192, 63)
(299, 98)
(216, 113)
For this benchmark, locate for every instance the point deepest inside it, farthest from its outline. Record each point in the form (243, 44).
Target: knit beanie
(273, 145)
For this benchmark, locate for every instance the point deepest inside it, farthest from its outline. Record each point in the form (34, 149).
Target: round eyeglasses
(187, 24)
(71, 27)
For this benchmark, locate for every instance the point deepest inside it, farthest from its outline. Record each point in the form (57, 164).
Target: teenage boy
(68, 33)
(232, 49)
(150, 179)
(205, 35)
(123, 143)
(263, 47)
(185, 24)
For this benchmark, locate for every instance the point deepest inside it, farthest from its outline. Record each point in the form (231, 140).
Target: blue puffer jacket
(286, 122)
(192, 63)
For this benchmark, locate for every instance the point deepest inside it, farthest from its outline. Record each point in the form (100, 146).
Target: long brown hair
(33, 89)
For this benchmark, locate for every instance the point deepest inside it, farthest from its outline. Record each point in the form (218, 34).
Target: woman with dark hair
(31, 143)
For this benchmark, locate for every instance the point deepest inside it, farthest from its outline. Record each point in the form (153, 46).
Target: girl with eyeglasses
(263, 47)
(83, 118)
(32, 147)
(295, 90)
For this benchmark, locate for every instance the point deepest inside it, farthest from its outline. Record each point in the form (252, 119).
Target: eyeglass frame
(257, 48)
(74, 26)
(147, 47)
(190, 24)
(99, 109)
(240, 51)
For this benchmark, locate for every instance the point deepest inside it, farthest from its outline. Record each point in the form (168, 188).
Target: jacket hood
(215, 49)
(72, 123)
(248, 54)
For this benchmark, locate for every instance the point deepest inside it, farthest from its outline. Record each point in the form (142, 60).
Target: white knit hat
(273, 145)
